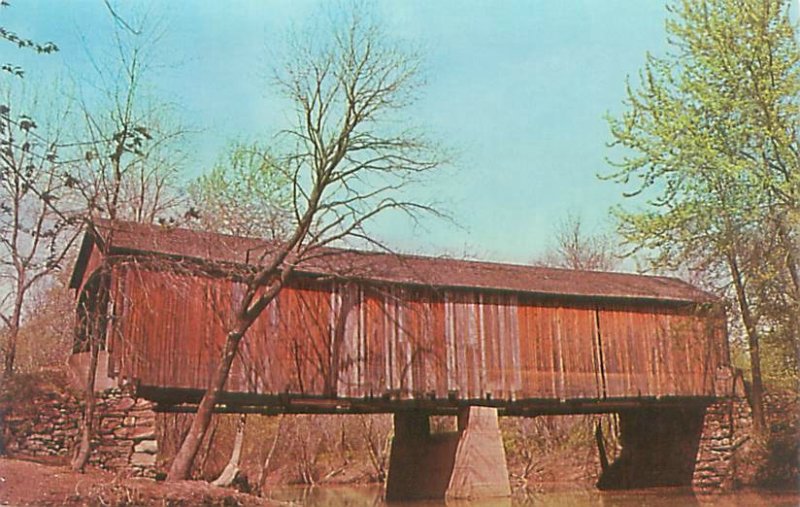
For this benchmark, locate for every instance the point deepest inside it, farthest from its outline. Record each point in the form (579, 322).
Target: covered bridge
(379, 332)
(378, 326)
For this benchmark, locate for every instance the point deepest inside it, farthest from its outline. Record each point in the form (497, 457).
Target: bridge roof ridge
(394, 268)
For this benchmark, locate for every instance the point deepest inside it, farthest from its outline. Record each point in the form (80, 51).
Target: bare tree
(129, 166)
(231, 470)
(46, 336)
(348, 162)
(264, 470)
(34, 236)
(576, 249)
(30, 230)
(131, 151)
(376, 430)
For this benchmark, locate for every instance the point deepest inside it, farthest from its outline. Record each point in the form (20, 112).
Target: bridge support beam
(659, 448)
(468, 463)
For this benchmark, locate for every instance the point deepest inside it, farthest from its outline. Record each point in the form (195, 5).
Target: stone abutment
(125, 438)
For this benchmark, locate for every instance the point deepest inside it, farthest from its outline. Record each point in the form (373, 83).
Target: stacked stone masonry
(50, 430)
(727, 426)
(125, 438)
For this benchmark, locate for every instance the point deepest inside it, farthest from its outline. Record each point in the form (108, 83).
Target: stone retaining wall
(125, 437)
(48, 428)
(727, 426)
(728, 455)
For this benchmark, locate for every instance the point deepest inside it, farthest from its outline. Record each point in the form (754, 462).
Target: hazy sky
(517, 89)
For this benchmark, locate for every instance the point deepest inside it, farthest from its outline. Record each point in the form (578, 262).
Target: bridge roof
(409, 270)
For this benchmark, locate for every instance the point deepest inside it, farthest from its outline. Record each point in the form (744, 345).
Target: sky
(517, 90)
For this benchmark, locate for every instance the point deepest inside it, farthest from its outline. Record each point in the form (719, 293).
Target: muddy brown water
(556, 496)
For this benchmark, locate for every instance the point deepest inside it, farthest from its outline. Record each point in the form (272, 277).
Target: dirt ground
(37, 483)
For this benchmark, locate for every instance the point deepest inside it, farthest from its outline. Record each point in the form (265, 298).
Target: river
(560, 495)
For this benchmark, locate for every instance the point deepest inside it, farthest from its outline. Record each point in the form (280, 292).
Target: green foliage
(709, 142)
(782, 466)
(245, 193)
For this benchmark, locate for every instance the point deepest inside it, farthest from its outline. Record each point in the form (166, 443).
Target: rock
(119, 463)
(109, 424)
(42, 427)
(123, 432)
(122, 404)
(108, 450)
(146, 446)
(143, 433)
(142, 403)
(142, 459)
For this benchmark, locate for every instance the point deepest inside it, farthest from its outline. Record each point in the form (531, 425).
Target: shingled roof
(133, 238)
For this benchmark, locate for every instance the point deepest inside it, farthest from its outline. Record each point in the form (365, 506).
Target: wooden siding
(357, 341)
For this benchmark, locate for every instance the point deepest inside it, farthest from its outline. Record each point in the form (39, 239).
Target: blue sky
(517, 89)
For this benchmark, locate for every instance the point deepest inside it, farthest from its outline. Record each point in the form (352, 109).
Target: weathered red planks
(359, 340)
(660, 352)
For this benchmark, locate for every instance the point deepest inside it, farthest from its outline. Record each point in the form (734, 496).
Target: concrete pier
(468, 463)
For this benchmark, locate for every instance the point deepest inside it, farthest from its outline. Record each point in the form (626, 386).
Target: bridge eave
(186, 400)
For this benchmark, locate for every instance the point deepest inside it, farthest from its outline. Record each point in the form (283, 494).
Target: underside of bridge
(185, 400)
(661, 438)
(659, 448)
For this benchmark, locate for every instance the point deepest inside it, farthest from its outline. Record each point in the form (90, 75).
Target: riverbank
(50, 484)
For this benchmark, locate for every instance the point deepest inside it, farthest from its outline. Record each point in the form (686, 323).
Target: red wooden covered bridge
(357, 332)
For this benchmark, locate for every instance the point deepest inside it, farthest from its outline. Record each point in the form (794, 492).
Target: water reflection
(561, 496)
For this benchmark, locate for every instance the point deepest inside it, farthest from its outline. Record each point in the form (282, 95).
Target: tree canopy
(346, 159)
(245, 193)
(708, 141)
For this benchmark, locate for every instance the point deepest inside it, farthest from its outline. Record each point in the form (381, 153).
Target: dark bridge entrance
(358, 332)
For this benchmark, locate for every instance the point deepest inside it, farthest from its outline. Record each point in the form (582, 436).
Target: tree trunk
(182, 464)
(757, 387)
(231, 470)
(268, 459)
(205, 450)
(87, 428)
(11, 352)
(601, 446)
(13, 332)
(99, 320)
(792, 262)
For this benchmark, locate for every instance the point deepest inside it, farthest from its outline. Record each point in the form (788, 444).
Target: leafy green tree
(245, 194)
(709, 141)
